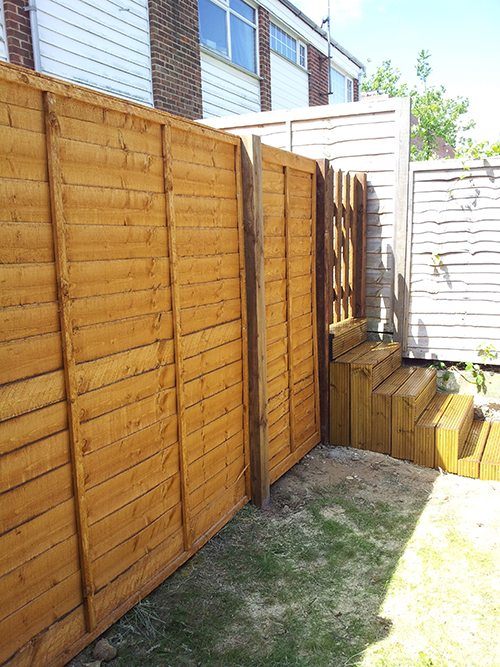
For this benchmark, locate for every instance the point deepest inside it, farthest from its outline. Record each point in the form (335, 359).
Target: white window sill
(219, 56)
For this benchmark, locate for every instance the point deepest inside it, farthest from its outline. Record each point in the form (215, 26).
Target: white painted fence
(370, 136)
(454, 259)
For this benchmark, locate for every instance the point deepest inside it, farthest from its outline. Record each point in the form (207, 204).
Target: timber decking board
(452, 430)
(345, 335)
(470, 454)
(382, 409)
(489, 468)
(408, 403)
(366, 373)
(425, 436)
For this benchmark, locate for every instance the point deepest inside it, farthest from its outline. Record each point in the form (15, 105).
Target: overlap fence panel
(123, 395)
(289, 227)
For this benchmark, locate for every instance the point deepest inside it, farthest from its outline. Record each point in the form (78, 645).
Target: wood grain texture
(256, 304)
(52, 129)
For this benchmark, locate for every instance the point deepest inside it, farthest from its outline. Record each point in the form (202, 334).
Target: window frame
(299, 44)
(225, 5)
(348, 89)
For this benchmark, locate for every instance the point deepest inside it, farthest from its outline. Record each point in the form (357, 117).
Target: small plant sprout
(436, 258)
(487, 352)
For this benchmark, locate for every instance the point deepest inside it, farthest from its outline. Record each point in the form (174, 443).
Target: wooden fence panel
(123, 408)
(289, 205)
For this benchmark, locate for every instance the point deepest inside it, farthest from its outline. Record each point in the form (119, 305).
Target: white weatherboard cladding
(227, 89)
(4, 55)
(371, 136)
(454, 304)
(103, 44)
(289, 84)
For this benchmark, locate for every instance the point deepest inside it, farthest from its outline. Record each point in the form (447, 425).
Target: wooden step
(425, 430)
(346, 335)
(408, 403)
(489, 468)
(452, 431)
(340, 394)
(366, 373)
(382, 409)
(469, 456)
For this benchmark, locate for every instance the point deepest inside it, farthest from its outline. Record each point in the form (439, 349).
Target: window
(340, 88)
(302, 59)
(283, 43)
(228, 26)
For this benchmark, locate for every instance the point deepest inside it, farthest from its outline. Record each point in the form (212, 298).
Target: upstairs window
(229, 27)
(283, 43)
(341, 88)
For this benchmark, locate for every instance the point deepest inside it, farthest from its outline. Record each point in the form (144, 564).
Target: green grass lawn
(394, 567)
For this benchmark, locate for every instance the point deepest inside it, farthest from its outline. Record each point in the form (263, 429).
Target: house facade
(194, 58)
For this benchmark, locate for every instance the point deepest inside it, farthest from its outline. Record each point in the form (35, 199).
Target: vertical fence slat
(359, 211)
(178, 346)
(53, 131)
(353, 249)
(345, 245)
(253, 215)
(338, 246)
(324, 285)
(288, 246)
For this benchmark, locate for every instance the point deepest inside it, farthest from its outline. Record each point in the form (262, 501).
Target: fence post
(53, 134)
(253, 216)
(324, 285)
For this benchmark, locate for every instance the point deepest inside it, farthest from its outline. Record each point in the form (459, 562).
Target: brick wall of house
(355, 90)
(317, 64)
(264, 60)
(18, 29)
(175, 57)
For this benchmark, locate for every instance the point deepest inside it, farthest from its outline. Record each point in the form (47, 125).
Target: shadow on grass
(297, 585)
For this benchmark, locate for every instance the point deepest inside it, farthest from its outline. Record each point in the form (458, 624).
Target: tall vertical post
(324, 285)
(53, 133)
(253, 215)
(178, 343)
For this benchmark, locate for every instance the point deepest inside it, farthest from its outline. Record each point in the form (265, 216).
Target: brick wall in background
(18, 29)
(317, 65)
(175, 57)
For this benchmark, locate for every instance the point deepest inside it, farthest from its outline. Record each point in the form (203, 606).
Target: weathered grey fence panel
(454, 259)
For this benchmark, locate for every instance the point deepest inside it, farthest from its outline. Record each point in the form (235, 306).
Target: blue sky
(462, 36)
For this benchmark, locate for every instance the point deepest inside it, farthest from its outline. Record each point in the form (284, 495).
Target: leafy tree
(469, 149)
(438, 116)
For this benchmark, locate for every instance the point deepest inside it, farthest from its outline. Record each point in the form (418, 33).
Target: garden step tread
(469, 457)
(425, 436)
(381, 436)
(490, 461)
(367, 372)
(345, 335)
(452, 431)
(408, 403)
